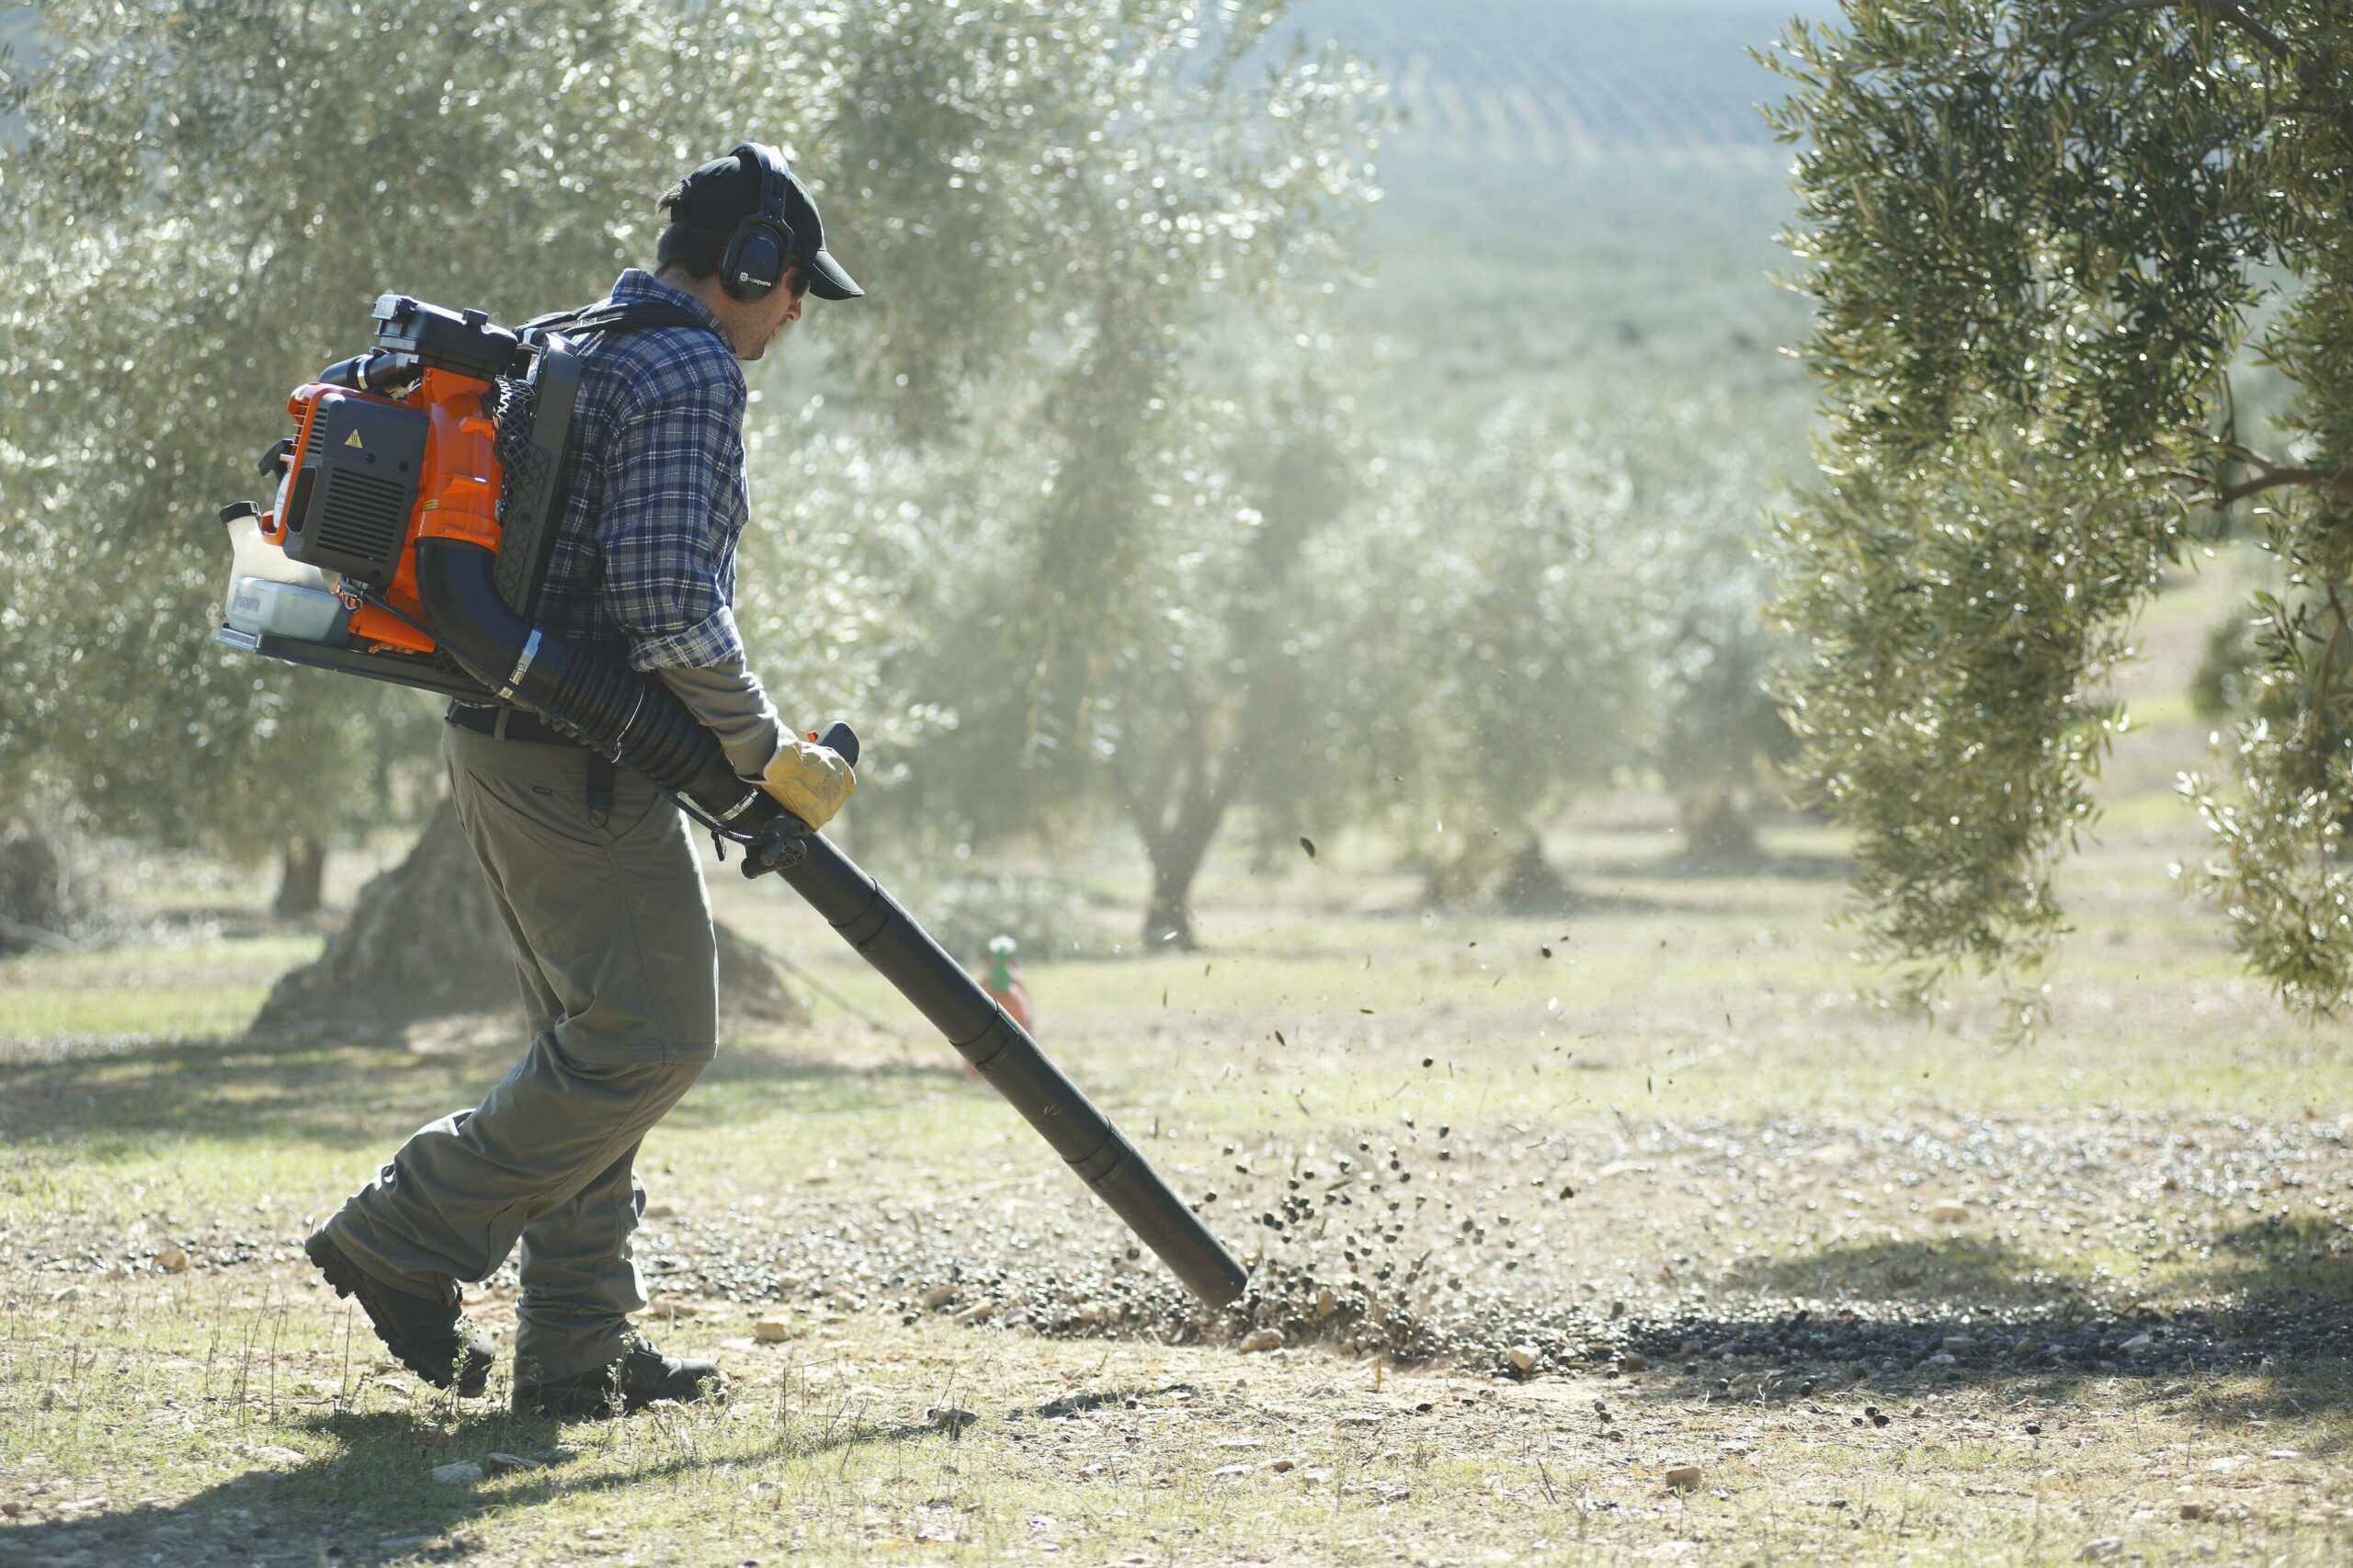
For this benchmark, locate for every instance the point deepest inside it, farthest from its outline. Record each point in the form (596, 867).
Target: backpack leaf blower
(416, 504)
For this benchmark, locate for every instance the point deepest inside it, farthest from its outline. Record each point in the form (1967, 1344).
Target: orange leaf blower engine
(451, 428)
(418, 502)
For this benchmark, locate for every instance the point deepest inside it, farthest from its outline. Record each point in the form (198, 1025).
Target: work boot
(639, 1377)
(432, 1339)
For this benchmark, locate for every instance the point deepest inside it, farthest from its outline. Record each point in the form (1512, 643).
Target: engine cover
(354, 486)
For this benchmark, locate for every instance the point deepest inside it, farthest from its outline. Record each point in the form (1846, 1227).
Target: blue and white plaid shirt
(643, 565)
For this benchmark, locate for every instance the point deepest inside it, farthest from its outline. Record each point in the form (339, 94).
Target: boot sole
(599, 1404)
(472, 1377)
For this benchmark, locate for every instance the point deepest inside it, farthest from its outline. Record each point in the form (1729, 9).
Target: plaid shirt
(643, 564)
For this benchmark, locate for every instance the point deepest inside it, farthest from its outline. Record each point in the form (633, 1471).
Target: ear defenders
(759, 250)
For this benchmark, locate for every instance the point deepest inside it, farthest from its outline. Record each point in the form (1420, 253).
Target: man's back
(643, 564)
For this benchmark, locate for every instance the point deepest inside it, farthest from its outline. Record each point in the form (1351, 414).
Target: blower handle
(783, 841)
(840, 738)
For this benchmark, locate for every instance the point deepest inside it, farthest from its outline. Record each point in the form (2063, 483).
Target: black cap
(725, 191)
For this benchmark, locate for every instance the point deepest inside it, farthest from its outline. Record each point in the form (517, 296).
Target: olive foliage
(1514, 613)
(2038, 236)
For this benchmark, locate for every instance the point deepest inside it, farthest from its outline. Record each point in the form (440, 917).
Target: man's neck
(707, 290)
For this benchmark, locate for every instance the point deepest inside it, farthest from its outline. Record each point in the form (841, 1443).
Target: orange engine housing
(370, 474)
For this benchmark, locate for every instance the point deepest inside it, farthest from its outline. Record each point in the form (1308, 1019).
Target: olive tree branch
(2320, 724)
(2231, 446)
(2336, 482)
(2222, 10)
(2327, 658)
(2268, 475)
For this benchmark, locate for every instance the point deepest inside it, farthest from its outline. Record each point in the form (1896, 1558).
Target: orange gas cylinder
(1003, 983)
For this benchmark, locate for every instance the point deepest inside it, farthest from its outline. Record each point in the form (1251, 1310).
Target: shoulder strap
(609, 315)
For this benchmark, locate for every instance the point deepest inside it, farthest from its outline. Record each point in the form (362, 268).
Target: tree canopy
(2041, 238)
(1081, 513)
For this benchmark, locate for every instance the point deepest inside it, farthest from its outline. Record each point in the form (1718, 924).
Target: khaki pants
(621, 981)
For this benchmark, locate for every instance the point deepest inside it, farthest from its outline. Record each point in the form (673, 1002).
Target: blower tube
(620, 712)
(1002, 1051)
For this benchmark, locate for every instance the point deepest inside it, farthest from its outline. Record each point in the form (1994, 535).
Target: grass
(238, 1418)
(239, 1421)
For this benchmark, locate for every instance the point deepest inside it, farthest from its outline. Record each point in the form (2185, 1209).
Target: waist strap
(507, 724)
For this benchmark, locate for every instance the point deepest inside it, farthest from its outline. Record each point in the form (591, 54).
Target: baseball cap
(725, 191)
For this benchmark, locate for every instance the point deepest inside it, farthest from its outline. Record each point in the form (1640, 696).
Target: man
(593, 871)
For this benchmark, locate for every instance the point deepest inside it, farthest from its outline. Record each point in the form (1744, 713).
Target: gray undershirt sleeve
(730, 701)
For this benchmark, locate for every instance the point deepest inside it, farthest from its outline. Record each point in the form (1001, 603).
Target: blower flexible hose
(622, 714)
(614, 709)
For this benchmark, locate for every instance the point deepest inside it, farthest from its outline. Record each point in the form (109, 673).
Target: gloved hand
(809, 781)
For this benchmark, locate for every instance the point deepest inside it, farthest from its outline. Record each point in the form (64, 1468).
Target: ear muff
(759, 250)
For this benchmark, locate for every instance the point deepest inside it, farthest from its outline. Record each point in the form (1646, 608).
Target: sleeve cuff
(711, 641)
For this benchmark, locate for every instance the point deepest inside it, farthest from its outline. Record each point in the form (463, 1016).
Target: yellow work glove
(809, 781)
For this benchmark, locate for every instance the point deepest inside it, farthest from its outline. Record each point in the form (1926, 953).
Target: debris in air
(1307, 844)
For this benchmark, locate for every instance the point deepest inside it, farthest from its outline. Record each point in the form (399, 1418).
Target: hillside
(1548, 83)
(1582, 205)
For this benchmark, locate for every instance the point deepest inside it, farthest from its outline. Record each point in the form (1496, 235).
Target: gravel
(1706, 1248)
(1752, 1258)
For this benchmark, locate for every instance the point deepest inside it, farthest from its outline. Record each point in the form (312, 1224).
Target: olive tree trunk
(1530, 884)
(1177, 799)
(41, 898)
(302, 881)
(1718, 832)
(1176, 861)
(425, 942)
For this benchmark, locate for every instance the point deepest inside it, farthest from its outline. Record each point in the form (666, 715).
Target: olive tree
(1501, 671)
(2038, 236)
(1199, 686)
(1218, 707)
(203, 201)
(1109, 613)
(1708, 653)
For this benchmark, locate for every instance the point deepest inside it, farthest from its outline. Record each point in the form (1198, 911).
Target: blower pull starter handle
(999, 1050)
(842, 739)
